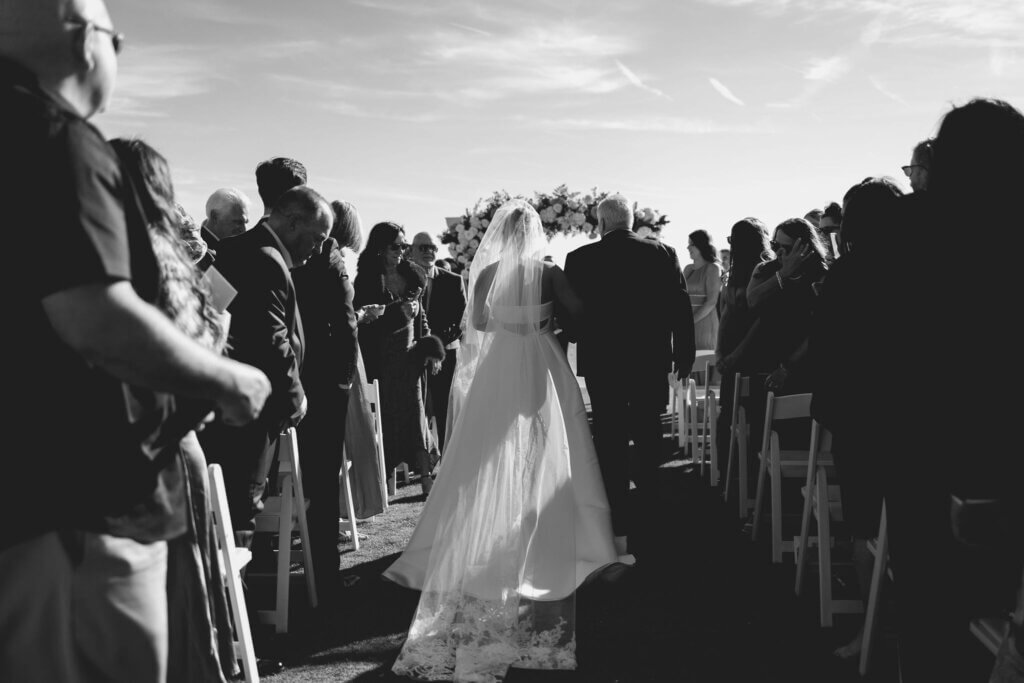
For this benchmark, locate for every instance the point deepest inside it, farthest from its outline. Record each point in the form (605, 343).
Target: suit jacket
(444, 300)
(266, 330)
(637, 320)
(328, 319)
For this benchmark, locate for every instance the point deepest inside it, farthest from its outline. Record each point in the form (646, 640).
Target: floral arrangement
(562, 212)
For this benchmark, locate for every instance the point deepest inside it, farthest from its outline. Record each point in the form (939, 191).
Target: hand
(370, 312)
(297, 416)
(410, 308)
(725, 365)
(434, 366)
(777, 379)
(243, 403)
(794, 258)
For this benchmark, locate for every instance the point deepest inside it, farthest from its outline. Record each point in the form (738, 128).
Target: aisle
(702, 605)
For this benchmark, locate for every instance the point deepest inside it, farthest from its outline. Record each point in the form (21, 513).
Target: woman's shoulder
(687, 269)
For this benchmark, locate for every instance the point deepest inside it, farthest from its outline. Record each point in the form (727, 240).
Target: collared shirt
(280, 245)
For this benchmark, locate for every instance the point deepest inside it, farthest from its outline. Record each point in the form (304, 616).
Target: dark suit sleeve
(260, 336)
(684, 345)
(571, 332)
(454, 300)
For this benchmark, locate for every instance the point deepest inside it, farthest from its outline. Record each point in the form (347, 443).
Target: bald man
(227, 215)
(98, 490)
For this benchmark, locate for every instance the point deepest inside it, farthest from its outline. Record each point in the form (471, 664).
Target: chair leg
(800, 548)
(762, 473)
(824, 551)
(776, 503)
(728, 463)
(874, 595)
(743, 465)
(350, 509)
(713, 442)
(284, 556)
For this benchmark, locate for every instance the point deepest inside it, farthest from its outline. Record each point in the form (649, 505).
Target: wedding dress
(518, 517)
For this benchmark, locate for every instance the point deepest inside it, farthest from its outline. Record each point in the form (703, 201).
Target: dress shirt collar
(280, 246)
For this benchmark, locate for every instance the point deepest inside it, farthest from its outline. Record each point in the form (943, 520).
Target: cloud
(155, 74)
(827, 69)
(530, 60)
(635, 80)
(724, 91)
(654, 124)
(479, 32)
(880, 87)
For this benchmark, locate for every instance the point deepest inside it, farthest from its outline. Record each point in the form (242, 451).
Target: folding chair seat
(285, 514)
(821, 501)
(776, 463)
(233, 561)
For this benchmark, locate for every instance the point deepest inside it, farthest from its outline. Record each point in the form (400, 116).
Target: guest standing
(444, 302)
(703, 283)
(324, 294)
(389, 346)
(83, 527)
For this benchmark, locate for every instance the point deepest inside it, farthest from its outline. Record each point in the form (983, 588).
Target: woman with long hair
(200, 645)
(703, 284)
(397, 346)
(734, 351)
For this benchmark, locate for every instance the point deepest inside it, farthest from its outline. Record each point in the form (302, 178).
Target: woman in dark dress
(749, 242)
(843, 401)
(397, 346)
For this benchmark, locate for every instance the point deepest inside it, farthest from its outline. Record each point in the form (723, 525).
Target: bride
(518, 516)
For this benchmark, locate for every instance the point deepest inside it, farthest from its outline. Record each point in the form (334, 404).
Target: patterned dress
(698, 285)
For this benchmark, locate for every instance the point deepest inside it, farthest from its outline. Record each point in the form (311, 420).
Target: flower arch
(562, 212)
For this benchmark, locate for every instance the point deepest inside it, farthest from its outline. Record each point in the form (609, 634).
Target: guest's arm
(569, 306)
(684, 346)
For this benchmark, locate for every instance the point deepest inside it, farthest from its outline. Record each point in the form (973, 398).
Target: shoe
(268, 667)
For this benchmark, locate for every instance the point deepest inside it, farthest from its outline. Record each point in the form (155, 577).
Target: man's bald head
(67, 44)
(227, 212)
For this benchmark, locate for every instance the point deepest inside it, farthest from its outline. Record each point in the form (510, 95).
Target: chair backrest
(703, 367)
(778, 408)
(740, 389)
(372, 391)
(219, 509)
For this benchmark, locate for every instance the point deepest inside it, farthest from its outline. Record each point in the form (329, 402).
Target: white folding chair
(284, 514)
(821, 500)
(879, 547)
(689, 409)
(345, 480)
(372, 392)
(233, 560)
(739, 435)
(710, 435)
(777, 463)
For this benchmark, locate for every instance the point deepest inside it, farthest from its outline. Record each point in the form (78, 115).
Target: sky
(706, 110)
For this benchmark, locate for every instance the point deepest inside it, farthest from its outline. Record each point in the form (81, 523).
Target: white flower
(474, 243)
(472, 232)
(462, 260)
(577, 219)
(557, 206)
(459, 227)
(464, 238)
(547, 215)
(644, 231)
(588, 199)
(453, 249)
(474, 221)
(484, 223)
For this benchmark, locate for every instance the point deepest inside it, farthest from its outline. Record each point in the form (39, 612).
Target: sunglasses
(398, 247)
(779, 245)
(907, 169)
(425, 248)
(116, 38)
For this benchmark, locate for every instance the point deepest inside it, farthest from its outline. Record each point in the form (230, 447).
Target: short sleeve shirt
(91, 448)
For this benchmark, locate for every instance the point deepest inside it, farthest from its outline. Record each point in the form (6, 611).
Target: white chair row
(693, 414)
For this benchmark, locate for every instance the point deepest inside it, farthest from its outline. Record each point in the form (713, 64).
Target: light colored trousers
(78, 607)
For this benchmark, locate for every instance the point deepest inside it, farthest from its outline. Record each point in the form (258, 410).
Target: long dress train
(517, 519)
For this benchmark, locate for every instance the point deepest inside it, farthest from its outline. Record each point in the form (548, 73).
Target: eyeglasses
(116, 38)
(910, 167)
(398, 247)
(778, 245)
(432, 248)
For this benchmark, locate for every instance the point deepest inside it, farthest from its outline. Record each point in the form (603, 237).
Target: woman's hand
(433, 366)
(370, 312)
(725, 365)
(795, 258)
(777, 379)
(410, 308)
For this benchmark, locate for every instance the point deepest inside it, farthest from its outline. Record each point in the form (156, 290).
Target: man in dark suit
(266, 332)
(636, 328)
(444, 302)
